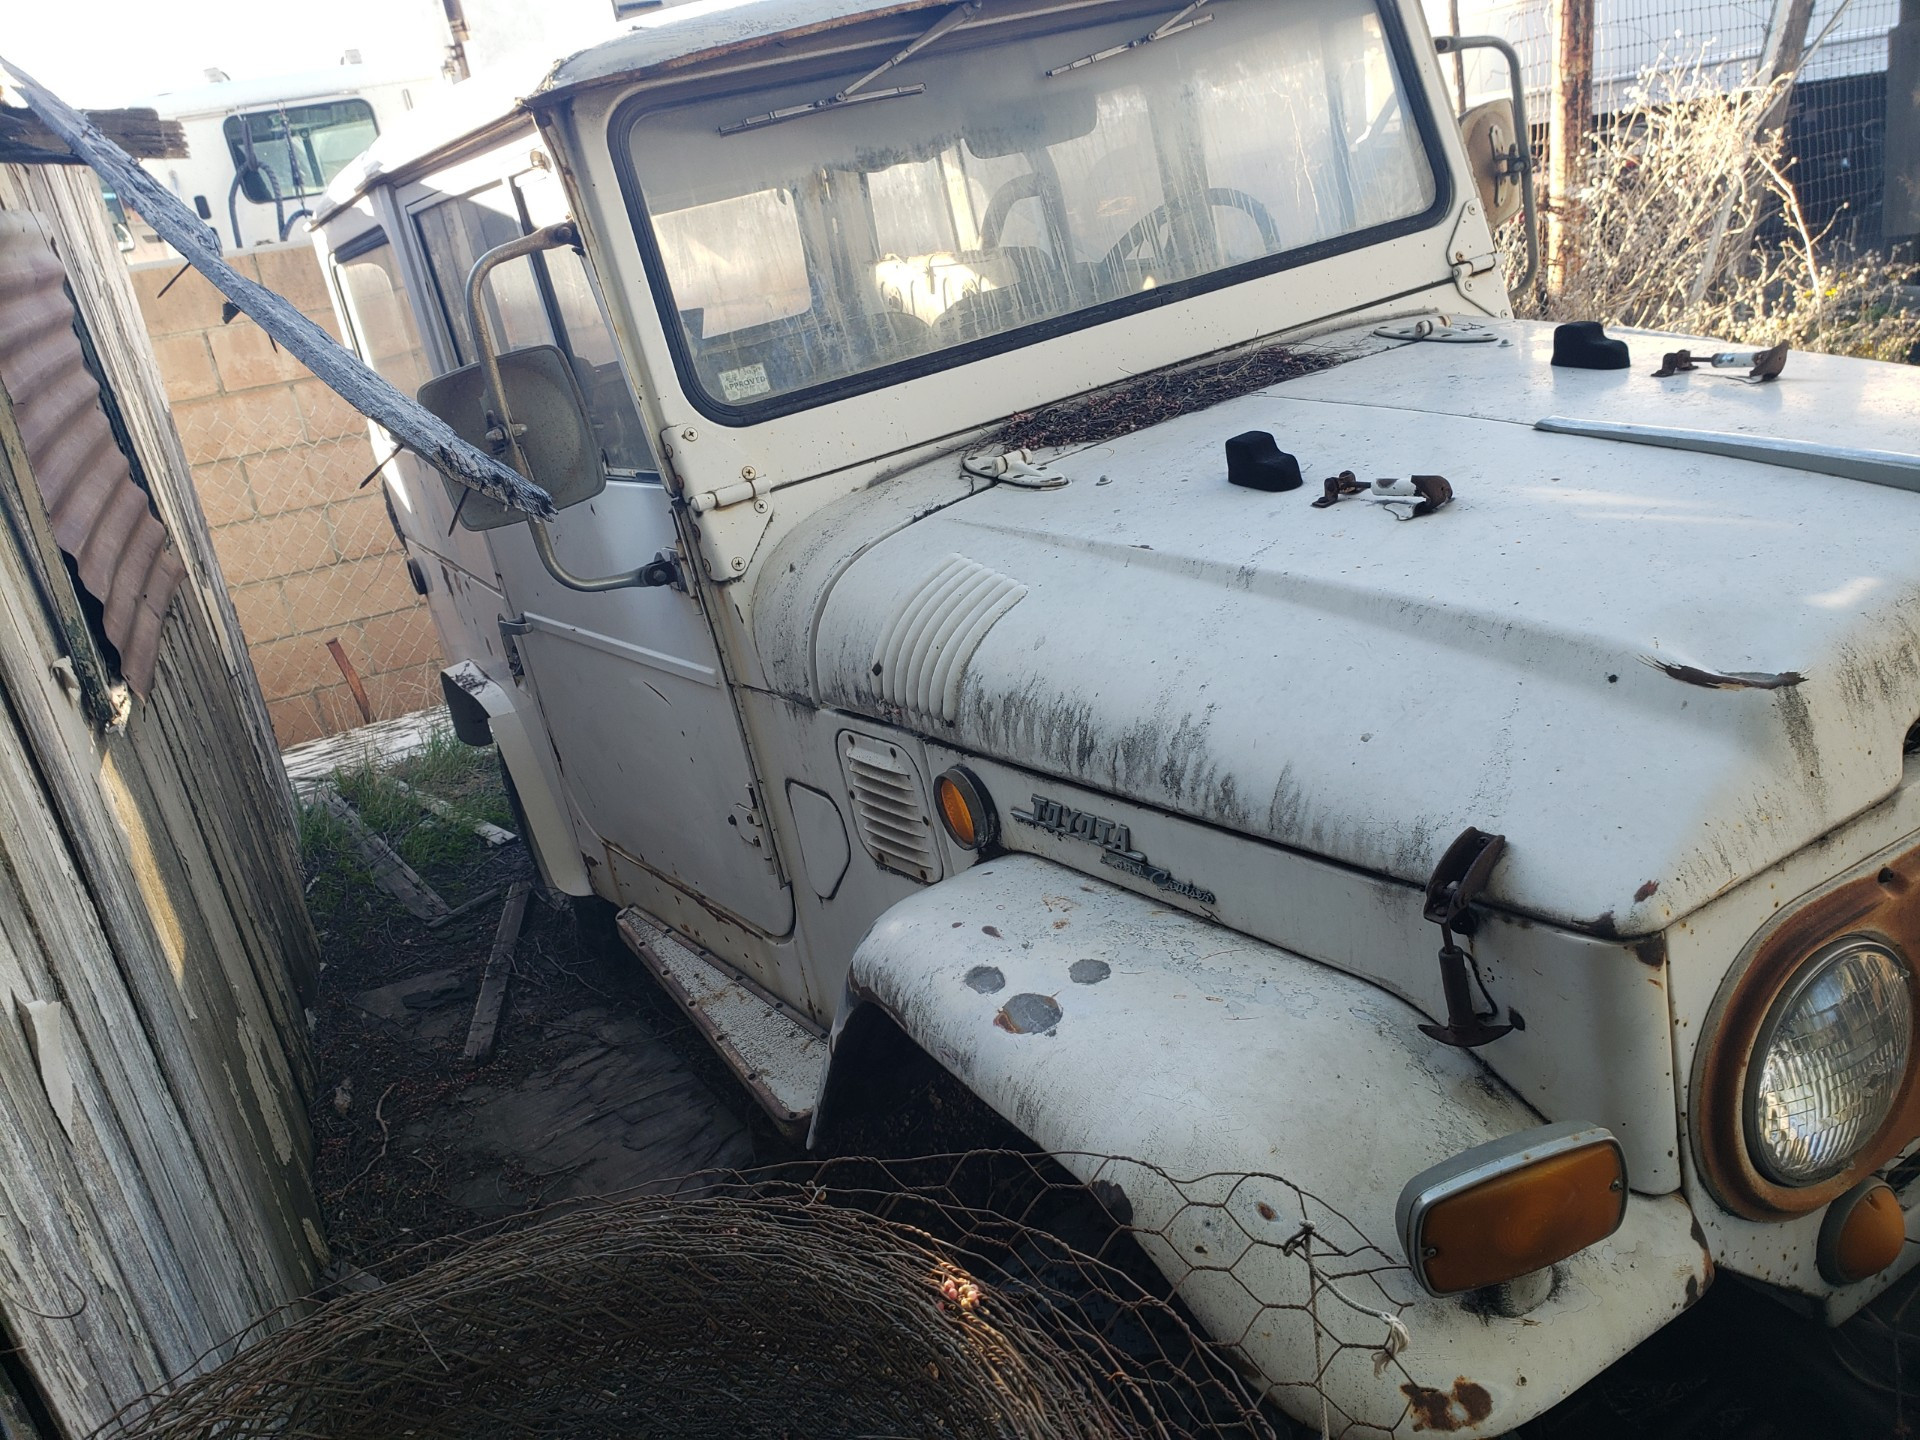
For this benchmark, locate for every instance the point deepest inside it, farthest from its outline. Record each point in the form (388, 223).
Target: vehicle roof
(221, 97)
(684, 35)
(673, 38)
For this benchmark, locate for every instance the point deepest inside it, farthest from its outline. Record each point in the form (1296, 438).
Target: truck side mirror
(1492, 153)
(1484, 154)
(549, 418)
(526, 406)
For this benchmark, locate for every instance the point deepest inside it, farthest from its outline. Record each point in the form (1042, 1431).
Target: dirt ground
(600, 1085)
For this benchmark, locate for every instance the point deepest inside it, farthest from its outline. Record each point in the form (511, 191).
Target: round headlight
(1830, 1062)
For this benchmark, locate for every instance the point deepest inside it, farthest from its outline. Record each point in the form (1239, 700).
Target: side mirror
(1498, 162)
(1491, 141)
(550, 418)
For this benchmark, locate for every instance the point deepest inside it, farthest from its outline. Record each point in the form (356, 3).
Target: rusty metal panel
(99, 516)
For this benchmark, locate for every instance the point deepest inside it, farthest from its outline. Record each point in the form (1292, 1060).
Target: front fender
(1259, 1091)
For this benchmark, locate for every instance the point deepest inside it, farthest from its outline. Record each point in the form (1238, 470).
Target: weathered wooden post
(1570, 103)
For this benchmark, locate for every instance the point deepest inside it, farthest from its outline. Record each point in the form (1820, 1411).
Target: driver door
(629, 682)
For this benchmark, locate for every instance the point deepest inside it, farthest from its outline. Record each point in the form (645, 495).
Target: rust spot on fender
(1028, 1014)
(1651, 951)
(1465, 1405)
(989, 930)
(1645, 892)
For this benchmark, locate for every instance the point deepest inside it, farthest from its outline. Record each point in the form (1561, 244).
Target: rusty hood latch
(1457, 880)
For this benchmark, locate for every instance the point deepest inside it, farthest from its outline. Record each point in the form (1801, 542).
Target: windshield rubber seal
(635, 109)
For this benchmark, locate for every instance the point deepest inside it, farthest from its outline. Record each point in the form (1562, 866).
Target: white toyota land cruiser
(1520, 854)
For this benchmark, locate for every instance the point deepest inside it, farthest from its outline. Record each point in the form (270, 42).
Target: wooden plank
(390, 872)
(165, 881)
(434, 805)
(312, 764)
(26, 140)
(493, 985)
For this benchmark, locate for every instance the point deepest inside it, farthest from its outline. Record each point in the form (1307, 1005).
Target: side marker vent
(889, 807)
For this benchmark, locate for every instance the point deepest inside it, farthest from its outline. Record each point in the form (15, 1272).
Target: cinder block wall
(278, 460)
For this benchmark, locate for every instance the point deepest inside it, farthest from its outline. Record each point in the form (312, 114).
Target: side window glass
(382, 320)
(585, 335)
(455, 233)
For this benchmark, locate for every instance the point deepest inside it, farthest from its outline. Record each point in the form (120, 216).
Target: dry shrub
(1686, 177)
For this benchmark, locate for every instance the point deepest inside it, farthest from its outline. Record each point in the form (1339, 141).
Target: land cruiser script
(1114, 839)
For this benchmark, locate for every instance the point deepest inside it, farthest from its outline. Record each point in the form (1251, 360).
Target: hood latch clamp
(1456, 882)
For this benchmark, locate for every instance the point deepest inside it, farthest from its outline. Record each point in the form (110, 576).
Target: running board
(777, 1055)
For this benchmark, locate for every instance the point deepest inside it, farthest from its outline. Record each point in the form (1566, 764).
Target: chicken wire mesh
(986, 1294)
(282, 467)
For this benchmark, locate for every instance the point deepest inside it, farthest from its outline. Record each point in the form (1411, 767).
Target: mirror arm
(1523, 158)
(662, 569)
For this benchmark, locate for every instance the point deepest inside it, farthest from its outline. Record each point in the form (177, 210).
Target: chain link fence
(1835, 125)
(337, 634)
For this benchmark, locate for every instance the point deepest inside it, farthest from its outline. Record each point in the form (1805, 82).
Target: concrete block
(224, 496)
(247, 357)
(186, 367)
(222, 427)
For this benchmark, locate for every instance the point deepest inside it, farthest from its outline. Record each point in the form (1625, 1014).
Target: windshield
(805, 252)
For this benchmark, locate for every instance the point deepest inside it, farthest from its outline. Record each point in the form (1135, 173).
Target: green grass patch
(388, 798)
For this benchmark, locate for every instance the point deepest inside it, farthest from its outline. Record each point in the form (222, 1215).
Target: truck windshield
(854, 242)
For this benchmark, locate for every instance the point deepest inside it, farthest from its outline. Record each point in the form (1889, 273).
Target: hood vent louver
(889, 807)
(923, 653)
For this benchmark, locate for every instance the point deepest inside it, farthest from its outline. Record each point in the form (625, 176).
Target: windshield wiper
(1172, 26)
(856, 93)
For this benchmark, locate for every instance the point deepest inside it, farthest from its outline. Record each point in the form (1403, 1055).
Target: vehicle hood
(1536, 659)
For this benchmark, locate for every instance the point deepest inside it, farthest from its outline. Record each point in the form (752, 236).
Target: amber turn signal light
(965, 810)
(1864, 1232)
(1512, 1206)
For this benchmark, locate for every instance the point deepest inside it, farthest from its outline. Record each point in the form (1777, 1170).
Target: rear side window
(292, 151)
(382, 320)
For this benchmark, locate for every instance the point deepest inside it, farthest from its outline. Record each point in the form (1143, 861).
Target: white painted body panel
(1203, 1053)
(1364, 689)
(635, 702)
(1595, 1044)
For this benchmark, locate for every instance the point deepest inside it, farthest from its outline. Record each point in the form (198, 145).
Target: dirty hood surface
(1536, 659)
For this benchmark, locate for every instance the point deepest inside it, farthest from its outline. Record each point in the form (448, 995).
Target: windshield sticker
(744, 383)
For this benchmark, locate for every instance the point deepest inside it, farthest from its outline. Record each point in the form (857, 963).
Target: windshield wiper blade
(1172, 26)
(857, 93)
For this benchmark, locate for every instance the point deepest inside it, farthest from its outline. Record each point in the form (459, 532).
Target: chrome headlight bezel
(1896, 979)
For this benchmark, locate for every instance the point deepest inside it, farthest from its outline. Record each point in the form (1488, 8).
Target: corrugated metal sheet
(100, 517)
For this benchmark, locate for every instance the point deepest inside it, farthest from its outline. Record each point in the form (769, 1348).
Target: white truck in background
(260, 153)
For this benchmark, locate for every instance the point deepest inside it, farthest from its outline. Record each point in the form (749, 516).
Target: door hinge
(508, 630)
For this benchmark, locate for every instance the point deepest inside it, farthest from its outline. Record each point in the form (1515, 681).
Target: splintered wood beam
(485, 1028)
(389, 871)
(26, 140)
(409, 423)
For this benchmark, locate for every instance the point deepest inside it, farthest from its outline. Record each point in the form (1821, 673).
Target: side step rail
(779, 1055)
